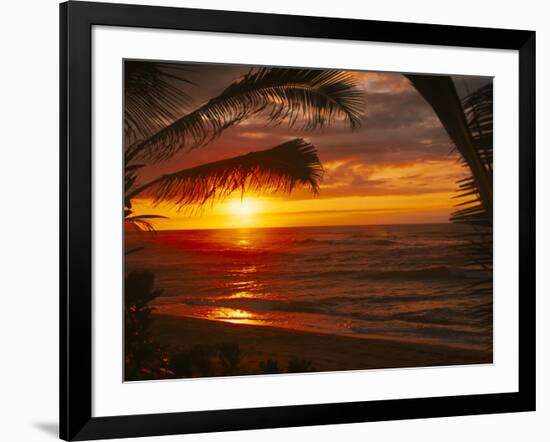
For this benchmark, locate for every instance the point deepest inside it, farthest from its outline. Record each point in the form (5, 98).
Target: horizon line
(294, 227)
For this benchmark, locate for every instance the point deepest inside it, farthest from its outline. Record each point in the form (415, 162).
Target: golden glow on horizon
(406, 199)
(392, 209)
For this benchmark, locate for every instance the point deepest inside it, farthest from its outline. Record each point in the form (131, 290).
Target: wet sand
(326, 352)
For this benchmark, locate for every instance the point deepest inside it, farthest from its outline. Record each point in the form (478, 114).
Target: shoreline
(325, 352)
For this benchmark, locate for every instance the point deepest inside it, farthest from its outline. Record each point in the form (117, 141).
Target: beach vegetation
(144, 357)
(197, 361)
(469, 124)
(297, 365)
(269, 366)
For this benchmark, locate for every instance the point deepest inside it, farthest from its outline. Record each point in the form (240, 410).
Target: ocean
(406, 282)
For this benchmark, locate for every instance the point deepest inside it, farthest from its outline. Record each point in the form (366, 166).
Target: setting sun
(241, 212)
(244, 208)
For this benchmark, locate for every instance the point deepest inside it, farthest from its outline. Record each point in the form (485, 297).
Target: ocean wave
(349, 241)
(428, 273)
(354, 306)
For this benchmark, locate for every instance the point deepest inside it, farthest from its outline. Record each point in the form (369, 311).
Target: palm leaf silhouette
(470, 134)
(470, 126)
(280, 168)
(300, 97)
(153, 96)
(142, 220)
(478, 108)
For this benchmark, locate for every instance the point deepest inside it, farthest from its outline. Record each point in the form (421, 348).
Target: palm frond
(130, 177)
(478, 107)
(142, 221)
(470, 126)
(441, 94)
(299, 97)
(153, 96)
(277, 169)
(478, 110)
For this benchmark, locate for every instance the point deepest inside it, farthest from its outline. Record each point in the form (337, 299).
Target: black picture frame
(76, 21)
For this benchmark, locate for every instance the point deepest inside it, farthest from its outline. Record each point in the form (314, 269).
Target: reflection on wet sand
(224, 314)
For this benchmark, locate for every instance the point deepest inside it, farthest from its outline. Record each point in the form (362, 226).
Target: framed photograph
(272, 221)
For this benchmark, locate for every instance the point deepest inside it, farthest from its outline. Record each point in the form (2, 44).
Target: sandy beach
(326, 352)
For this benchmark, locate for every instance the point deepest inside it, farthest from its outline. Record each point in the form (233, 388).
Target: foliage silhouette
(270, 366)
(469, 124)
(280, 168)
(440, 93)
(308, 98)
(154, 95)
(144, 359)
(296, 365)
(230, 358)
(198, 361)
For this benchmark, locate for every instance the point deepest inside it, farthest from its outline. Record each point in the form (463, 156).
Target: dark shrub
(296, 365)
(194, 362)
(230, 358)
(271, 366)
(143, 356)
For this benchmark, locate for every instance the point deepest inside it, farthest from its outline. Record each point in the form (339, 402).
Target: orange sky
(398, 168)
(253, 210)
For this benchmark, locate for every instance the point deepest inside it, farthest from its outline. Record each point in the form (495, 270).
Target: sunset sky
(398, 168)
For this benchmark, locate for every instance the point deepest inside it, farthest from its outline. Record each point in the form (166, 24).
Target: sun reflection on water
(232, 315)
(243, 286)
(242, 295)
(222, 314)
(240, 284)
(247, 269)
